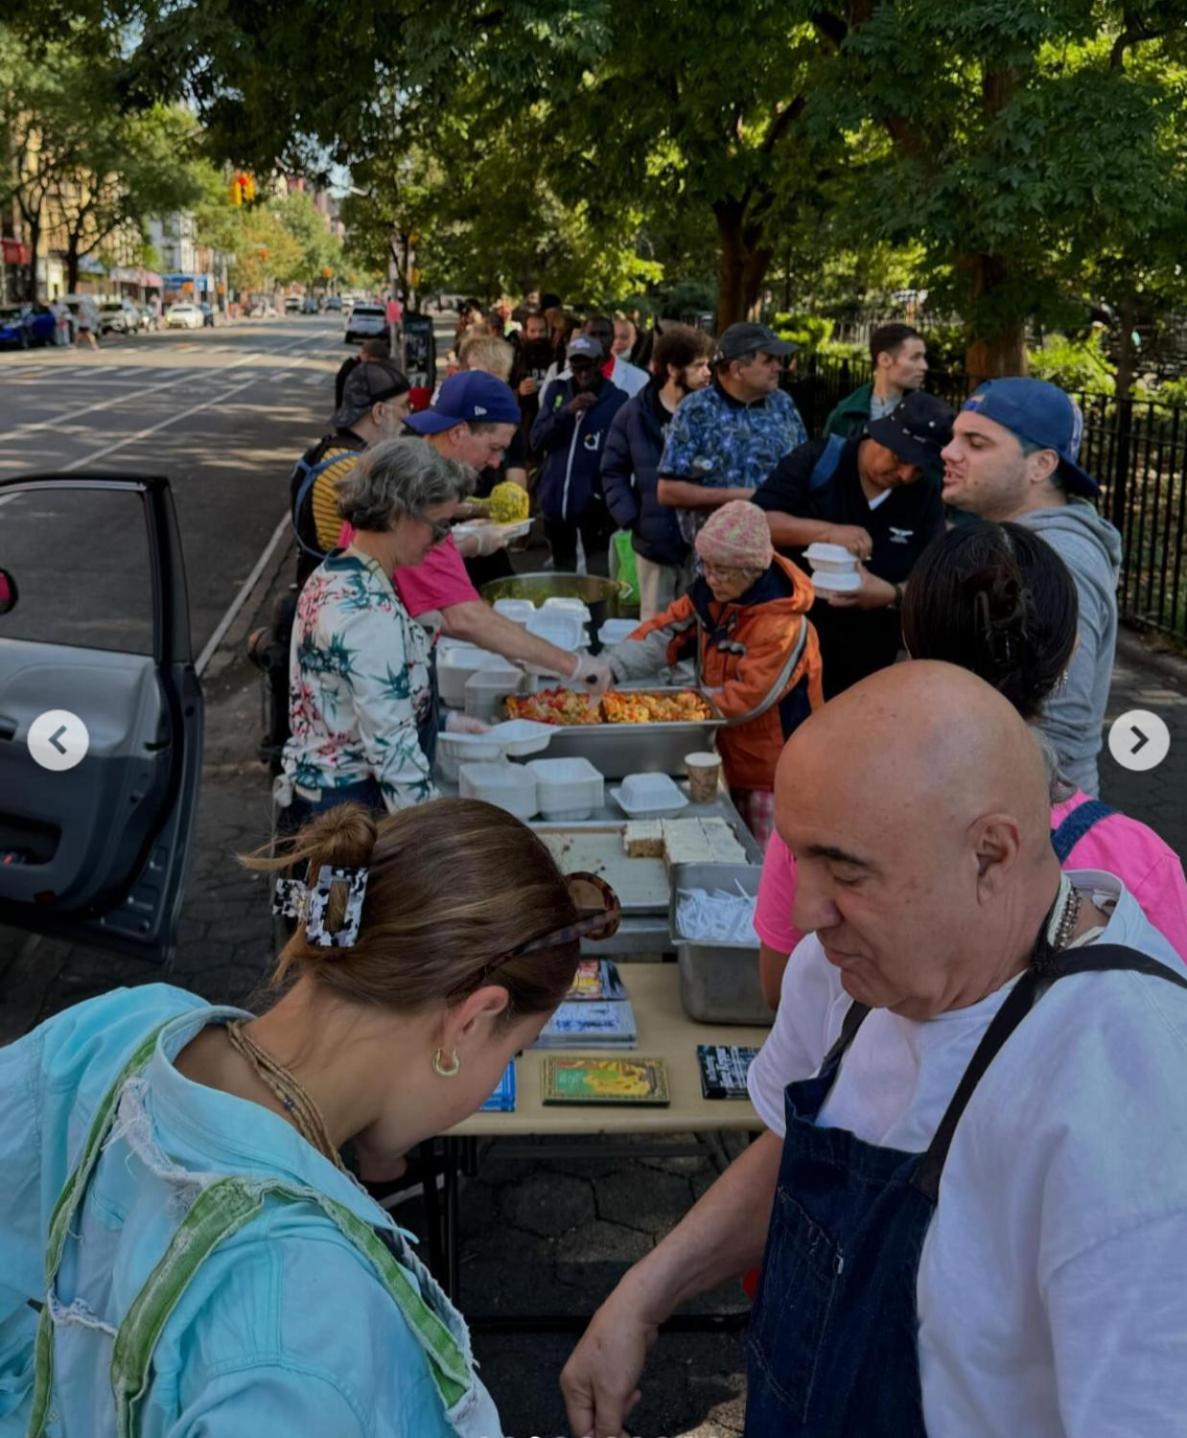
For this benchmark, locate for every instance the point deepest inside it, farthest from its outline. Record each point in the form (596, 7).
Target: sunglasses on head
(598, 916)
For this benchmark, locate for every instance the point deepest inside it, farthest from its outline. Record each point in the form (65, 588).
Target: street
(222, 412)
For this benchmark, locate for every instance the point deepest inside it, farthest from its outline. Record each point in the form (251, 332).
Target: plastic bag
(622, 563)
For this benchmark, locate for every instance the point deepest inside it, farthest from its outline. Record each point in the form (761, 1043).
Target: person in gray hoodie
(1014, 455)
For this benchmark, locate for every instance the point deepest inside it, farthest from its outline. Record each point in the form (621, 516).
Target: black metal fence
(1137, 449)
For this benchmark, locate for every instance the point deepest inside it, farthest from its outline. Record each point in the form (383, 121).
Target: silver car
(366, 321)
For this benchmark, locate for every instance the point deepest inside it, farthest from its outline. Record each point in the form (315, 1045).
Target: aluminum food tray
(642, 885)
(622, 749)
(719, 982)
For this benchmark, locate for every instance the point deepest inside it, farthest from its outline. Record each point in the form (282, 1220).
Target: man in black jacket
(630, 466)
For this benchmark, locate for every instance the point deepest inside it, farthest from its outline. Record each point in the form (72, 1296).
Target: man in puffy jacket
(630, 466)
(570, 432)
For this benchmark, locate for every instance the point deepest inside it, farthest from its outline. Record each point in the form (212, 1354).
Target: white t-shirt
(1052, 1288)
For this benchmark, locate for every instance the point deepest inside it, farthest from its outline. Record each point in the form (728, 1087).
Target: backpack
(826, 466)
(301, 482)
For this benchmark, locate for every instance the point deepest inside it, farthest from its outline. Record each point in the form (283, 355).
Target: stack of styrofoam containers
(454, 750)
(509, 786)
(567, 789)
(487, 687)
(563, 627)
(519, 611)
(649, 796)
(455, 664)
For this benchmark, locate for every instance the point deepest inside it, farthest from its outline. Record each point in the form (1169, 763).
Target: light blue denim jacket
(286, 1328)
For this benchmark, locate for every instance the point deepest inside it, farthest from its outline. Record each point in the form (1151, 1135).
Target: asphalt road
(223, 413)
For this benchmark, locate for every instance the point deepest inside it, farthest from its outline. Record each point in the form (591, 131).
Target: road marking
(186, 377)
(240, 599)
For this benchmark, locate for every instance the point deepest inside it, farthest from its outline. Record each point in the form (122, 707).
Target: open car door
(100, 711)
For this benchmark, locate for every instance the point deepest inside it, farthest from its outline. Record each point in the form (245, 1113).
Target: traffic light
(326, 272)
(243, 188)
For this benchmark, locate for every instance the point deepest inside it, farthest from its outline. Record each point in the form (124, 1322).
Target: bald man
(1039, 1288)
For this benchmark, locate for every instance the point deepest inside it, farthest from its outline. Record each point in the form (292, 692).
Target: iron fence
(1136, 449)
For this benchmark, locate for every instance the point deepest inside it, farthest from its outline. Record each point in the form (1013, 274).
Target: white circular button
(58, 740)
(1139, 740)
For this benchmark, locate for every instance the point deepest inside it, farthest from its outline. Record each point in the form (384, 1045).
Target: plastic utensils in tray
(648, 796)
(509, 786)
(567, 790)
(718, 979)
(486, 689)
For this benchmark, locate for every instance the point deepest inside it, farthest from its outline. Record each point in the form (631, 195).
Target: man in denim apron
(970, 1207)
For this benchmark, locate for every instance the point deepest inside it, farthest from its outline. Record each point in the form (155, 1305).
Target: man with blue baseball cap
(1014, 455)
(472, 419)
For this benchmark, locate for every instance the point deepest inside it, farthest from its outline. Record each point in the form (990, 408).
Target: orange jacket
(743, 648)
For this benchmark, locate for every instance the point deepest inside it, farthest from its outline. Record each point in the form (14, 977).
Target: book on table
(590, 1024)
(503, 1098)
(569, 1079)
(723, 1069)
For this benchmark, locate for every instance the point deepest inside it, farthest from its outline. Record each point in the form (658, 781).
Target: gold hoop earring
(446, 1071)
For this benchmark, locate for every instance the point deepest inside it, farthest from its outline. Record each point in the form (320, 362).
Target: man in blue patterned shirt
(723, 441)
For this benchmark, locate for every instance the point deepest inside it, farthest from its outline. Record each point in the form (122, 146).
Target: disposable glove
(593, 676)
(458, 723)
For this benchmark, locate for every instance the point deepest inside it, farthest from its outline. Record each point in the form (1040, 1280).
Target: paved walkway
(542, 1235)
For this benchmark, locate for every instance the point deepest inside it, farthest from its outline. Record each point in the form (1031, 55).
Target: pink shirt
(438, 581)
(1148, 868)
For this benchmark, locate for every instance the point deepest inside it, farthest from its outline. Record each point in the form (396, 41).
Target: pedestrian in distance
(725, 440)
(212, 1263)
(630, 467)
(1014, 454)
(371, 349)
(898, 353)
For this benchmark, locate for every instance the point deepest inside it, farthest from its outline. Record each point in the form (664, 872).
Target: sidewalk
(550, 1234)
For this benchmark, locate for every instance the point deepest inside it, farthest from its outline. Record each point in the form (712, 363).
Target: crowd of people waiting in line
(966, 1210)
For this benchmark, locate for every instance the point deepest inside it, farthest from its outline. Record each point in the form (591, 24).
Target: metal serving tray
(719, 982)
(621, 749)
(641, 885)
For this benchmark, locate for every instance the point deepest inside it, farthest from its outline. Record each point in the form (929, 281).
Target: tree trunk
(742, 265)
(1001, 350)
(72, 264)
(33, 231)
(1127, 358)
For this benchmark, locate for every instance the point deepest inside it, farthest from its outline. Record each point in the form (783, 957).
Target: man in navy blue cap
(1015, 455)
(472, 419)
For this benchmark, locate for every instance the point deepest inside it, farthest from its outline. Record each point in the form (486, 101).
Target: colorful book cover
(503, 1098)
(595, 980)
(605, 1081)
(723, 1069)
(590, 1025)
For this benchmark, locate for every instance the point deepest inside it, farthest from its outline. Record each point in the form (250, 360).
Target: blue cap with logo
(472, 397)
(584, 347)
(1042, 414)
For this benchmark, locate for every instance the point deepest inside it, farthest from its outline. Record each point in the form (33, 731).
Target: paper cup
(704, 770)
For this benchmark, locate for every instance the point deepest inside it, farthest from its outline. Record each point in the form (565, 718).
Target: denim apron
(832, 1348)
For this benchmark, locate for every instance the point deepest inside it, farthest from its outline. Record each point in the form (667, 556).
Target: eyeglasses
(440, 530)
(599, 913)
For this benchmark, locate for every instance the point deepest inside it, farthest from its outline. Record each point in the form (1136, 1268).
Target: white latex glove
(592, 676)
(488, 539)
(459, 723)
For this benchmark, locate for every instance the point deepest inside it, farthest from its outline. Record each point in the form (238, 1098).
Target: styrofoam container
(456, 665)
(831, 559)
(509, 786)
(614, 631)
(519, 611)
(454, 750)
(836, 583)
(486, 689)
(561, 627)
(519, 737)
(567, 789)
(651, 796)
(567, 605)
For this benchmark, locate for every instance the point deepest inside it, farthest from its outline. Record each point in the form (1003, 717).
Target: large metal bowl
(605, 598)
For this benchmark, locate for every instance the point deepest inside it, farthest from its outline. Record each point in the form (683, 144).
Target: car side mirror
(8, 592)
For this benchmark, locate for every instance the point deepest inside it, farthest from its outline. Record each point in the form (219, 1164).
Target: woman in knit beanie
(744, 622)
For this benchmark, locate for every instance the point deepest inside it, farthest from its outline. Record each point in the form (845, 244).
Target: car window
(80, 561)
(368, 310)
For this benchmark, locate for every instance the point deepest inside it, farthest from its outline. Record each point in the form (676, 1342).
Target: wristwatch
(897, 601)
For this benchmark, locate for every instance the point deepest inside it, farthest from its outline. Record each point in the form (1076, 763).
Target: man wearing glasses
(724, 440)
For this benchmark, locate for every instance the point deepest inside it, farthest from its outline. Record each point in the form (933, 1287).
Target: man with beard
(533, 358)
(630, 467)
(570, 431)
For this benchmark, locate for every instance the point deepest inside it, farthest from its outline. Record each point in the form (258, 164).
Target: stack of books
(596, 1013)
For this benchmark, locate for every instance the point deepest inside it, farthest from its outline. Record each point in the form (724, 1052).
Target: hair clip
(318, 896)
(288, 898)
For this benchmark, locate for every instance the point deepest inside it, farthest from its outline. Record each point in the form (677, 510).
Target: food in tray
(643, 839)
(700, 841)
(629, 706)
(508, 503)
(566, 706)
(553, 706)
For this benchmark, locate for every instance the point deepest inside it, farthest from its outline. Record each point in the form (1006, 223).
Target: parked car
(311, 305)
(25, 325)
(334, 303)
(292, 304)
(100, 721)
(364, 321)
(183, 317)
(120, 317)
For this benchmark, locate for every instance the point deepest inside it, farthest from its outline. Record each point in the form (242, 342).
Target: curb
(226, 644)
(1134, 647)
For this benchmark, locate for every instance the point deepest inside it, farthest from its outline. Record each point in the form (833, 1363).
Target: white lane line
(240, 599)
(252, 357)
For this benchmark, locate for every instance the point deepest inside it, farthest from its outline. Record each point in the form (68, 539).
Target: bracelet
(897, 601)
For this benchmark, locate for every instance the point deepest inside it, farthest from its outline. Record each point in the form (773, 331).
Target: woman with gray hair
(361, 708)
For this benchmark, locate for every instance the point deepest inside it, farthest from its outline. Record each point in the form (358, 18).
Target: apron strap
(1099, 958)
(855, 1016)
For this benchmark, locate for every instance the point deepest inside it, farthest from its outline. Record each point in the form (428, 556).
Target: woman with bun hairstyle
(997, 599)
(185, 1248)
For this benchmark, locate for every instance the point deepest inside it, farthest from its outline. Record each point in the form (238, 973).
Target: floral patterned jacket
(358, 685)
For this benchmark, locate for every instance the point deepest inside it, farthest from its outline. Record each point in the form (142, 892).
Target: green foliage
(1079, 365)
(810, 332)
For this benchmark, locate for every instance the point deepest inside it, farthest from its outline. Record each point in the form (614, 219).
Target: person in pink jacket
(997, 599)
